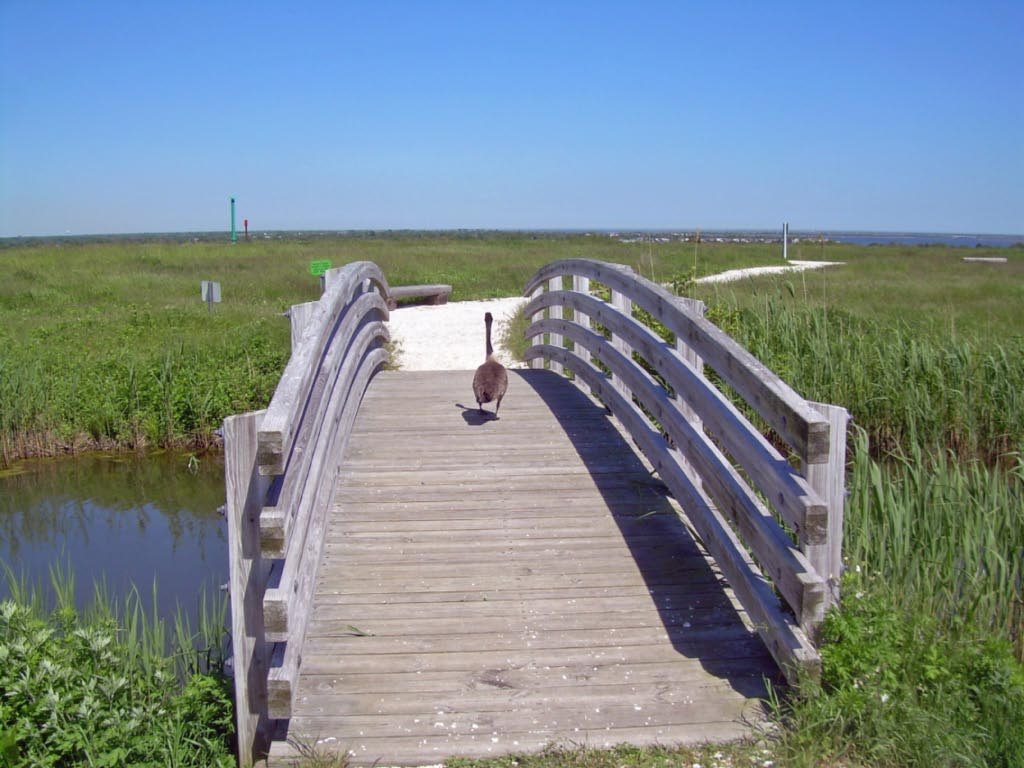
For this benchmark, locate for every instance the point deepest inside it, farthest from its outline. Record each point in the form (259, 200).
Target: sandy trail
(738, 274)
(450, 337)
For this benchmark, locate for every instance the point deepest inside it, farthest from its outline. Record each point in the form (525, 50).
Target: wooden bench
(434, 294)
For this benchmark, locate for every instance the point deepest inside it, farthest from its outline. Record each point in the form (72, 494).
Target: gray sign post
(210, 292)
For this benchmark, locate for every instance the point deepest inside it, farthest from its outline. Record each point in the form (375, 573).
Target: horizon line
(540, 230)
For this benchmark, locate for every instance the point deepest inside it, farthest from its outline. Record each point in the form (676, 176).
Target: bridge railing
(766, 523)
(280, 468)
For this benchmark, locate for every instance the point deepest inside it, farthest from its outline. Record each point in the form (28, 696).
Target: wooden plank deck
(490, 586)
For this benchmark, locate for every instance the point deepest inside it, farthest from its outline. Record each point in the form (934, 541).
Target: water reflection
(118, 520)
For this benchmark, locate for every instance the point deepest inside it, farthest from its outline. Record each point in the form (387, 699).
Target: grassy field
(108, 343)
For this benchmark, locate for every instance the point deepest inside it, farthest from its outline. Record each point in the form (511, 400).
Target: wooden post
(624, 305)
(829, 481)
(581, 284)
(555, 312)
(537, 362)
(300, 315)
(246, 491)
(690, 355)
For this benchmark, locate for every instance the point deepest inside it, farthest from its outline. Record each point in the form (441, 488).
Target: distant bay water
(965, 240)
(922, 238)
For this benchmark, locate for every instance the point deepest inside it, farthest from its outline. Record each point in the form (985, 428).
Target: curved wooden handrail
(730, 480)
(288, 403)
(280, 468)
(788, 414)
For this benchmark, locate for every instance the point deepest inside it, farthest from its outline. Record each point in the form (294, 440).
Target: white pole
(785, 241)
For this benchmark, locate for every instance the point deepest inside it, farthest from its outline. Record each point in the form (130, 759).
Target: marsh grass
(908, 388)
(946, 537)
(112, 684)
(108, 344)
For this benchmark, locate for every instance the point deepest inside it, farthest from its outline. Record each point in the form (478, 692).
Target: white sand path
(738, 274)
(450, 337)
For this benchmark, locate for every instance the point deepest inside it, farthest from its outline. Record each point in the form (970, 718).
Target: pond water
(119, 521)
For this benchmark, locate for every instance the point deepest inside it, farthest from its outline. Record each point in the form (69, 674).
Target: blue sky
(147, 117)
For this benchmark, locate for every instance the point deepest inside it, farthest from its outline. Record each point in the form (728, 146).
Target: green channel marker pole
(234, 232)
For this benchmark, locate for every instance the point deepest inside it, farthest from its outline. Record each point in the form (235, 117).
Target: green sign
(318, 267)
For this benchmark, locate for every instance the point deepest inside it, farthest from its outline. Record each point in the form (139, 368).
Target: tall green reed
(947, 536)
(110, 684)
(905, 388)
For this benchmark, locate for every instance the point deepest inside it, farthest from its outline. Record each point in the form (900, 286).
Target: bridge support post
(689, 354)
(829, 481)
(246, 490)
(300, 314)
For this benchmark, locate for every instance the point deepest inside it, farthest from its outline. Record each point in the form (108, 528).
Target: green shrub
(94, 692)
(898, 689)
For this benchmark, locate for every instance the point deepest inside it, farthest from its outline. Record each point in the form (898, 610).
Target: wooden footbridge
(621, 557)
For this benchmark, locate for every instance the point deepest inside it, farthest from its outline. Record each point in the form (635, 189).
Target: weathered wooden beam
(351, 336)
(246, 490)
(785, 640)
(285, 606)
(438, 293)
(292, 605)
(786, 564)
(299, 316)
(283, 416)
(829, 481)
(786, 491)
(787, 413)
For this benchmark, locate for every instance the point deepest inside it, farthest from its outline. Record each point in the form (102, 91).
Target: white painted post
(555, 312)
(624, 305)
(581, 284)
(537, 362)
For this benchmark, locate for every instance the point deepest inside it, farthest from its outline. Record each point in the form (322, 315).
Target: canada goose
(491, 379)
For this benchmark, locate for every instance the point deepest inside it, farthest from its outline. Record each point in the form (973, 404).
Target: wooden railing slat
(295, 595)
(788, 493)
(302, 550)
(787, 413)
(277, 523)
(293, 452)
(706, 450)
(787, 642)
(283, 413)
(787, 566)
